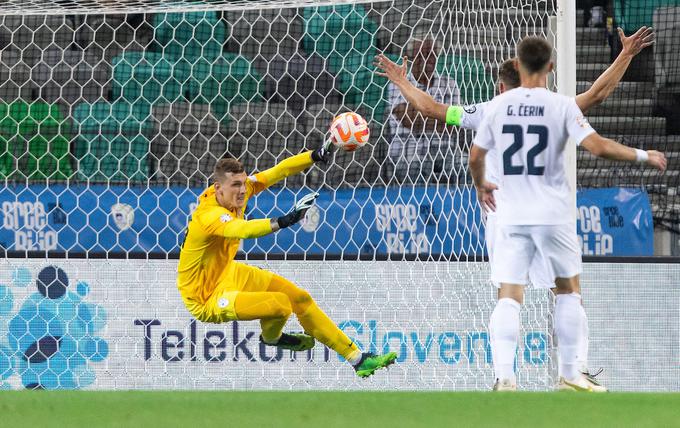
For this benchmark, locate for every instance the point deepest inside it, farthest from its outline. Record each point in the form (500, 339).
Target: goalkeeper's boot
(370, 362)
(293, 342)
(581, 384)
(502, 385)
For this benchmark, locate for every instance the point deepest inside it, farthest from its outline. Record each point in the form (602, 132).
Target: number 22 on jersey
(518, 136)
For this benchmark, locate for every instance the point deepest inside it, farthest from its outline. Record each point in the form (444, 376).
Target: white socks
(582, 357)
(570, 319)
(504, 334)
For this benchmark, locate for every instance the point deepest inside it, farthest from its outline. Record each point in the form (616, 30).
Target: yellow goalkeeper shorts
(236, 278)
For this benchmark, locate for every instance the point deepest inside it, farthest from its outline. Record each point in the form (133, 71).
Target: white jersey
(529, 129)
(471, 119)
(472, 115)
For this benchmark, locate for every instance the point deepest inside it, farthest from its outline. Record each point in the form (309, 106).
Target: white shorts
(538, 273)
(532, 254)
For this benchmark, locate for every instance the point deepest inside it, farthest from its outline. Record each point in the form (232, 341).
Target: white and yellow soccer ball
(349, 131)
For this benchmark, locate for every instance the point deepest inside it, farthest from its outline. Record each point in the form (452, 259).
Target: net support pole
(565, 47)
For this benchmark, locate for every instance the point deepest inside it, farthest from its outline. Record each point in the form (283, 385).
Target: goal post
(565, 36)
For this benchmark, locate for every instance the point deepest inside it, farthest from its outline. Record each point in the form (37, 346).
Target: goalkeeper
(216, 288)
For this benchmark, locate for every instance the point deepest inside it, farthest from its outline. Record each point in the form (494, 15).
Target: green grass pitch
(335, 409)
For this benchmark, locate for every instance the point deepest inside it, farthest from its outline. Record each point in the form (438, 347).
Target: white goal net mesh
(112, 116)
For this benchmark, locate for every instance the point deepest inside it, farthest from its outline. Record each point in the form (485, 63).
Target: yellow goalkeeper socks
(318, 324)
(272, 329)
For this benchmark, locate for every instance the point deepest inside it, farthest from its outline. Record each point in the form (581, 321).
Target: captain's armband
(454, 114)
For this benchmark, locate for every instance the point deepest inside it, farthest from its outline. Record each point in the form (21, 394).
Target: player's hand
(299, 211)
(656, 160)
(485, 196)
(633, 44)
(391, 70)
(323, 153)
(305, 203)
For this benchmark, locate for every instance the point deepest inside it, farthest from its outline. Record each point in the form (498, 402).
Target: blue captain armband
(453, 115)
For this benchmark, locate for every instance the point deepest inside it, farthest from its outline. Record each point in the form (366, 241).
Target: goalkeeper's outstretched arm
(235, 228)
(290, 166)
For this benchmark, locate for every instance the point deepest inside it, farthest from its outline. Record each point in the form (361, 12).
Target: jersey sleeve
(219, 222)
(484, 137)
(577, 125)
(283, 169)
(471, 116)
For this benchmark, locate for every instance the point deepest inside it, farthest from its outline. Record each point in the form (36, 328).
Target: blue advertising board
(370, 221)
(615, 222)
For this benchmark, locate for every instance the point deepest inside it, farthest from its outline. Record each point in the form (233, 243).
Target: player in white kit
(528, 127)
(470, 117)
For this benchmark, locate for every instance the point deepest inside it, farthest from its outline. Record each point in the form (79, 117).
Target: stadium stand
(263, 35)
(36, 138)
(112, 143)
(148, 77)
(637, 113)
(187, 142)
(190, 36)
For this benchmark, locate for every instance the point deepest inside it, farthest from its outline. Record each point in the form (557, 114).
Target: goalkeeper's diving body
(422, 107)
(216, 288)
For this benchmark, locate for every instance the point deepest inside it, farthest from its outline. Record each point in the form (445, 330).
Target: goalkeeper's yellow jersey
(214, 232)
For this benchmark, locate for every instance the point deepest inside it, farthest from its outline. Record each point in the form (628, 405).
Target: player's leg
(569, 320)
(255, 302)
(272, 309)
(314, 320)
(512, 254)
(582, 354)
(571, 330)
(320, 326)
(540, 276)
(558, 246)
(504, 329)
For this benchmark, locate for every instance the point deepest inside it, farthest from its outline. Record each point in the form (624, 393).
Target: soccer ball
(349, 131)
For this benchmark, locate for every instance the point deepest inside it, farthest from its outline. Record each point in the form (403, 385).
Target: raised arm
(419, 110)
(290, 166)
(607, 82)
(285, 168)
(418, 99)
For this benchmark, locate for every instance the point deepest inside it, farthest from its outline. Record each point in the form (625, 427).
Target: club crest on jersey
(123, 216)
(225, 218)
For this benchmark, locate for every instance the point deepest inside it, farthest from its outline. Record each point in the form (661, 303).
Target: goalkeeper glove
(298, 212)
(323, 153)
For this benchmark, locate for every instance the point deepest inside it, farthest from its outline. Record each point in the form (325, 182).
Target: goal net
(112, 117)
